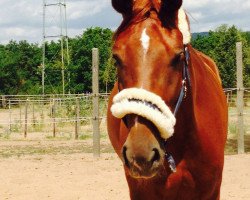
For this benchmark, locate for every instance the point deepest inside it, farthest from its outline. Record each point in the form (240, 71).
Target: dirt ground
(79, 176)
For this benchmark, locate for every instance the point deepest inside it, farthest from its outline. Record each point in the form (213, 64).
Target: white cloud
(209, 14)
(195, 3)
(79, 9)
(19, 12)
(22, 19)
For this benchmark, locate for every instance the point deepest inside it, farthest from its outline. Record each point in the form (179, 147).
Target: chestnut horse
(167, 114)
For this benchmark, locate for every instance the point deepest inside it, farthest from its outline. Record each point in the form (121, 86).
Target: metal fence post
(240, 101)
(95, 91)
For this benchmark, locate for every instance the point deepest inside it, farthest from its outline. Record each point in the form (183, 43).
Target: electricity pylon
(55, 26)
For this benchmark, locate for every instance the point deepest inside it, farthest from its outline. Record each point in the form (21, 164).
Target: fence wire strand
(59, 110)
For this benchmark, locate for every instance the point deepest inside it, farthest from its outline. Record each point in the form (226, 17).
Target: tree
(247, 60)
(81, 48)
(9, 79)
(19, 61)
(221, 46)
(19, 67)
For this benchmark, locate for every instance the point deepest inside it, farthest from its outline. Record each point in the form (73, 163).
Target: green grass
(231, 145)
(61, 138)
(84, 137)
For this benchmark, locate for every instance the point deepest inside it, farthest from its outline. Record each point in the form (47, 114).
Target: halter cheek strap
(183, 93)
(185, 80)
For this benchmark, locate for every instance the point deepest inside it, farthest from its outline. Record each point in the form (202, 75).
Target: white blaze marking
(145, 40)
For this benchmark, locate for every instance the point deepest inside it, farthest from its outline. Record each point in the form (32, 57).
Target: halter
(183, 94)
(186, 81)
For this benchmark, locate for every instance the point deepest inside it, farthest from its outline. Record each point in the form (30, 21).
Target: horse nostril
(125, 156)
(156, 156)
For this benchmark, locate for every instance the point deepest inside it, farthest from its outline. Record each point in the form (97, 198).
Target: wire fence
(234, 117)
(70, 116)
(55, 115)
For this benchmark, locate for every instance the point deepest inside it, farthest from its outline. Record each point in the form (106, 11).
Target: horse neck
(204, 78)
(205, 92)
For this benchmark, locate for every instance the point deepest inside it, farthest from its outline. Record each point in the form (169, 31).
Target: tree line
(221, 46)
(21, 71)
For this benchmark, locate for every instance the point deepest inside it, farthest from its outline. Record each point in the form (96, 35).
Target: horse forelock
(146, 5)
(141, 11)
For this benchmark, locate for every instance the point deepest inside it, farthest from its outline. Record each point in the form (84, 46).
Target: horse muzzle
(143, 166)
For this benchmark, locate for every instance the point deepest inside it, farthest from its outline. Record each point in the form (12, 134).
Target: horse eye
(177, 59)
(117, 61)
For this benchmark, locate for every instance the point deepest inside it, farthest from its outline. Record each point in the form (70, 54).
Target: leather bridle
(186, 81)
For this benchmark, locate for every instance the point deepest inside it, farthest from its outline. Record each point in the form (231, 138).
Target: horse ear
(169, 12)
(123, 6)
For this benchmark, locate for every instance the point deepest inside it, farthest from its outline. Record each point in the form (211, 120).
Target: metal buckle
(171, 162)
(184, 85)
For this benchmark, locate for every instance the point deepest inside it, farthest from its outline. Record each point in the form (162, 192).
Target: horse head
(149, 55)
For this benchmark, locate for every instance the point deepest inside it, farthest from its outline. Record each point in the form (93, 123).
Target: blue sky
(22, 19)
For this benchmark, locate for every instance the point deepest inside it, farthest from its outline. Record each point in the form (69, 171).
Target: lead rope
(183, 93)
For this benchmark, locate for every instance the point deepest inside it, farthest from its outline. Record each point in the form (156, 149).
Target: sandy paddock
(80, 176)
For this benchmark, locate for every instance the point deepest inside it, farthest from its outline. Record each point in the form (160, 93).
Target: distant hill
(194, 35)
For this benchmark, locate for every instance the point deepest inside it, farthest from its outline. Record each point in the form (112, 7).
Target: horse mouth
(145, 171)
(143, 175)
(146, 104)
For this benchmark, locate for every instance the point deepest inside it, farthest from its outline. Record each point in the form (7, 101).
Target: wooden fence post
(77, 122)
(20, 113)
(33, 114)
(54, 118)
(240, 101)
(26, 118)
(9, 102)
(42, 105)
(95, 91)
(3, 101)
